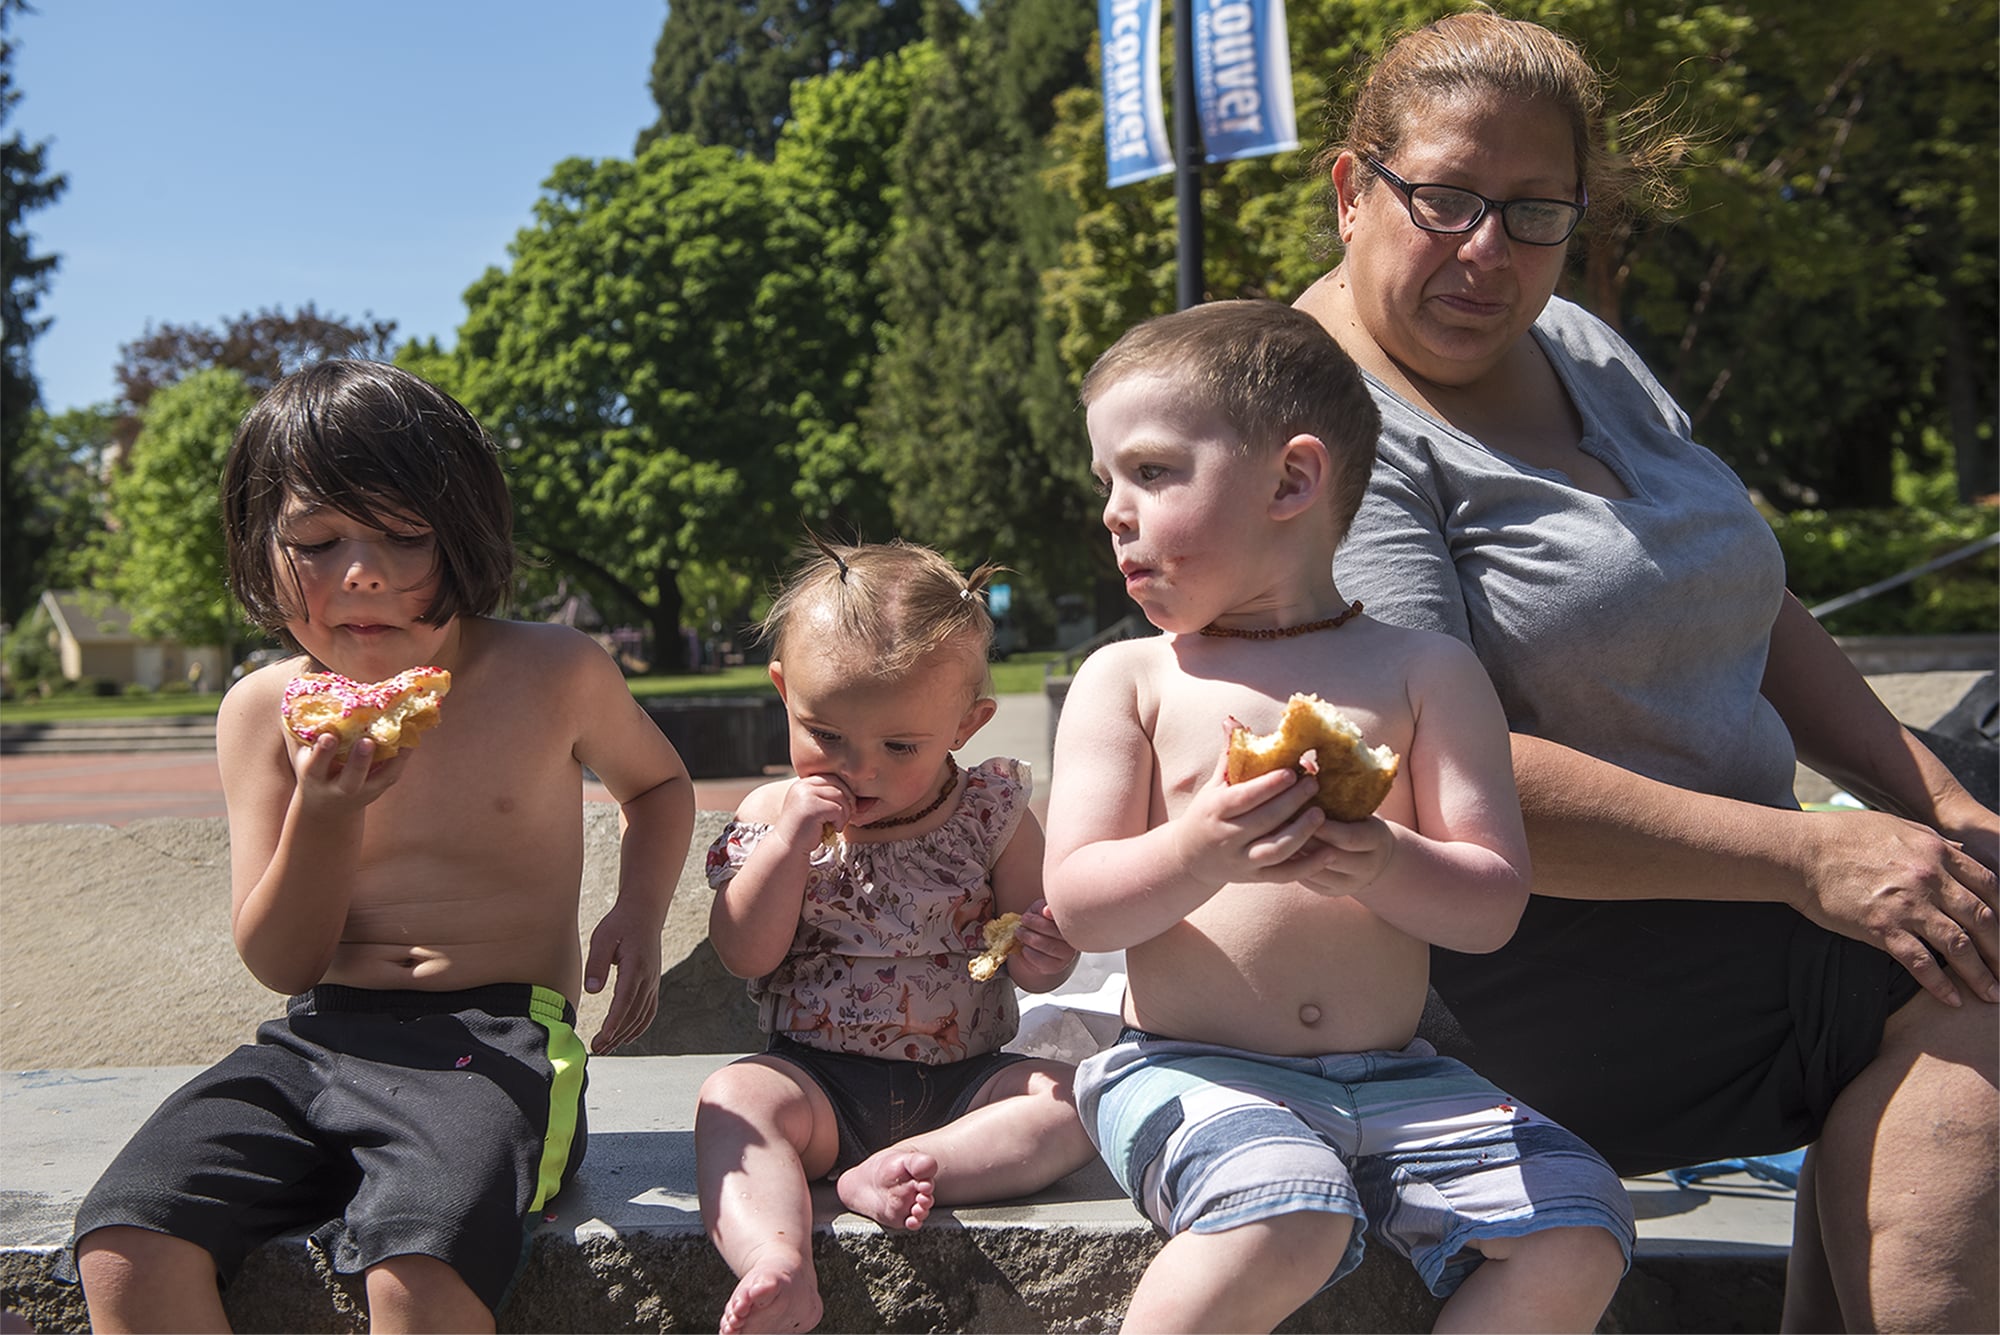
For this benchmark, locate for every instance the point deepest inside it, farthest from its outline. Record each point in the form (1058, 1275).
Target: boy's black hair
(374, 442)
(1272, 371)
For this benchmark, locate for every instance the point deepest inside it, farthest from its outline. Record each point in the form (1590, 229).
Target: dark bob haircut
(384, 448)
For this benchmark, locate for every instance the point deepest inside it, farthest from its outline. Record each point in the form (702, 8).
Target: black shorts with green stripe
(386, 1123)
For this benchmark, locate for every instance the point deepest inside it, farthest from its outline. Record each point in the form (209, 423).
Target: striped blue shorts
(1419, 1149)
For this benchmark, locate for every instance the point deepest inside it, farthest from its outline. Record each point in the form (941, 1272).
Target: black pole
(1187, 158)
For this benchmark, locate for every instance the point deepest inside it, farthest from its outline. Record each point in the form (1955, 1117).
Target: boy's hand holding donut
(327, 782)
(1259, 830)
(391, 715)
(1343, 780)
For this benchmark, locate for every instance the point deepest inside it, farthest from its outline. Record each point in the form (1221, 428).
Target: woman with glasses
(1705, 971)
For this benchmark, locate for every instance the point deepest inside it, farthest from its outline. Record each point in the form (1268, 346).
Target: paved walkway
(117, 788)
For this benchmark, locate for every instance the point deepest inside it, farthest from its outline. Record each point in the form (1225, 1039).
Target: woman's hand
(1973, 827)
(1909, 891)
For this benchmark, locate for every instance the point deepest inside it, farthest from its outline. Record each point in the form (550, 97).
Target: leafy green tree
(723, 70)
(163, 558)
(837, 154)
(26, 184)
(29, 653)
(1827, 298)
(60, 462)
(1824, 298)
(972, 414)
(637, 360)
(677, 355)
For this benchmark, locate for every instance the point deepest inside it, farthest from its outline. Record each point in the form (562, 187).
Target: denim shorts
(879, 1101)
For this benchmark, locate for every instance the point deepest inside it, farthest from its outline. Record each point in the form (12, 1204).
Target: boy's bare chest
(480, 783)
(1193, 716)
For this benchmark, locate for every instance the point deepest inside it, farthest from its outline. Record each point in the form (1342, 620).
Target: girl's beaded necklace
(950, 782)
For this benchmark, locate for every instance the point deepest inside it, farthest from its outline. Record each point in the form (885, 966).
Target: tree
(677, 355)
(163, 558)
(25, 185)
(972, 413)
(637, 360)
(837, 153)
(60, 462)
(1825, 297)
(262, 348)
(723, 69)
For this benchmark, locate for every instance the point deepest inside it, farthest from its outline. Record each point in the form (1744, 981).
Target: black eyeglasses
(1451, 210)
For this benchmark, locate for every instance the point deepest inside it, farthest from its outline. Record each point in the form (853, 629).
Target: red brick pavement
(117, 788)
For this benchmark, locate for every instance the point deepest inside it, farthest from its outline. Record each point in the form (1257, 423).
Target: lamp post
(1187, 160)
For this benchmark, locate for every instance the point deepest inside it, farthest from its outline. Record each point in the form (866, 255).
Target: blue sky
(372, 157)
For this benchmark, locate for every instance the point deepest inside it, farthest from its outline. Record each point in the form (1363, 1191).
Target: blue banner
(1135, 126)
(1242, 79)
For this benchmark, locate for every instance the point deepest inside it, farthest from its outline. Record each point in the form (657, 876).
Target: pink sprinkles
(351, 696)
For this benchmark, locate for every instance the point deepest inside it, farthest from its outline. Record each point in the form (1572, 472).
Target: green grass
(65, 708)
(1021, 674)
(748, 680)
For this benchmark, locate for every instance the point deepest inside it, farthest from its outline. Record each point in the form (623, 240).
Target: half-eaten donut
(1317, 739)
(393, 714)
(1000, 943)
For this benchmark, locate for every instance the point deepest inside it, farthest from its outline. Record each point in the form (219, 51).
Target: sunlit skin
(360, 591)
(1170, 480)
(1451, 310)
(871, 750)
(1887, 1235)
(1248, 919)
(867, 750)
(456, 864)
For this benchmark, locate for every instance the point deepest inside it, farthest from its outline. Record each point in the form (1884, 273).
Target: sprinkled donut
(393, 713)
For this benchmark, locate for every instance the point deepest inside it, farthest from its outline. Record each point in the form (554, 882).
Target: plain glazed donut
(1318, 739)
(393, 714)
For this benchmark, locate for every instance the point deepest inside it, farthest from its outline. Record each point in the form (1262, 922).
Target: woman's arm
(1596, 831)
(1844, 731)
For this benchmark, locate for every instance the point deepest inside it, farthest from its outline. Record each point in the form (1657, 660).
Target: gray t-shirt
(1633, 630)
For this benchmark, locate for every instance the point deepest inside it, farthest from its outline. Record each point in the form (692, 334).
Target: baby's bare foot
(771, 1299)
(895, 1188)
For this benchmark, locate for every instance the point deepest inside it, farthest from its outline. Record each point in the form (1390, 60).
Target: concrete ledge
(624, 1250)
(1873, 654)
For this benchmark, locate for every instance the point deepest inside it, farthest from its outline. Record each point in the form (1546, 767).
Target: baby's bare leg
(762, 1132)
(422, 1293)
(1241, 1279)
(136, 1279)
(1904, 1176)
(1020, 1135)
(1558, 1279)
